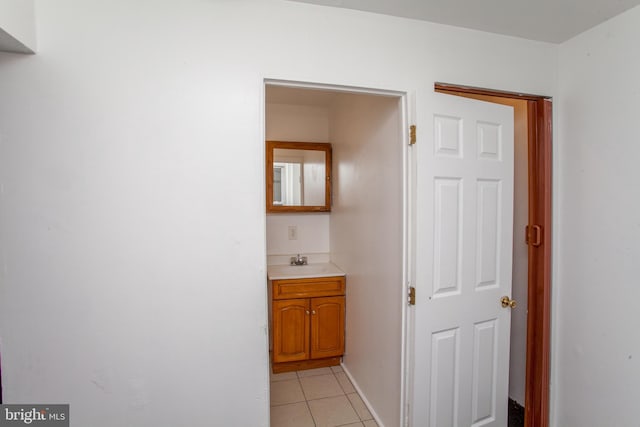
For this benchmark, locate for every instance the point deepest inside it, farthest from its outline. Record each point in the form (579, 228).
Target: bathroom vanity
(308, 315)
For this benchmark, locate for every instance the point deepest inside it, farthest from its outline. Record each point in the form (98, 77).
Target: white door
(464, 227)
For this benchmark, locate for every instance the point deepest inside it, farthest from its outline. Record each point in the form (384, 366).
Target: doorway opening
(537, 236)
(364, 235)
(366, 231)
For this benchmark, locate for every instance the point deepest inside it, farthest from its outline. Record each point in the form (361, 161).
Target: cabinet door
(290, 330)
(327, 327)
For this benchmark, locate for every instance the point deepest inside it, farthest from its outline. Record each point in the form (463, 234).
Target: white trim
(407, 265)
(335, 88)
(265, 284)
(362, 396)
(556, 262)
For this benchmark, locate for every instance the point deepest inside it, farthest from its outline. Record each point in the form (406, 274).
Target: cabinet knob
(313, 312)
(307, 311)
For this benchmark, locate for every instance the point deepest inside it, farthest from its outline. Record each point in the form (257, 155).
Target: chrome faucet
(298, 260)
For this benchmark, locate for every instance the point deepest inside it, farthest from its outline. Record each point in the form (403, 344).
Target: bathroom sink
(279, 272)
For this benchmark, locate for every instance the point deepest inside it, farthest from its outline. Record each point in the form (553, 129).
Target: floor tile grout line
(288, 403)
(354, 408)
(351, 403)
(313, 419)
(340, 384)
(328, 397)
(361, 421)
(302, 388)
(325, 397)
(307, 400)
(344, 394)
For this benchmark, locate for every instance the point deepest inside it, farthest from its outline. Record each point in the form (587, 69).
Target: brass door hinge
(533, 235)
(412, 295)
(412, 134)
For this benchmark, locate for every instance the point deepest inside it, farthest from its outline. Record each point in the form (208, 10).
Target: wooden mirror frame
(292, 145)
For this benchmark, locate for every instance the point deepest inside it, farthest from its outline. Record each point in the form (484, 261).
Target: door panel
(447, 233)
(489, 231)
(464, 228)
(291, 330)
(445, 377)
(484, 373)
(327, 327)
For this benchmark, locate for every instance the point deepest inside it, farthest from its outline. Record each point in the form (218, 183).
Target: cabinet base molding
(304, 364)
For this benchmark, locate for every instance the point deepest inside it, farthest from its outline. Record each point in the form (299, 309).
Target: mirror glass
(298, 176)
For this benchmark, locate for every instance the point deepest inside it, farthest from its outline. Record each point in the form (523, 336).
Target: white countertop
(279, 272)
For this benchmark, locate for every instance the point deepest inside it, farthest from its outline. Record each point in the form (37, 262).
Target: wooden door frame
(539, 128)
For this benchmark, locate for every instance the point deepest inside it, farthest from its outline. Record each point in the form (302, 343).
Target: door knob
(508, 302)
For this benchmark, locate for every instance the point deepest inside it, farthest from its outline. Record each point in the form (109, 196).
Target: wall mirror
(298, 176)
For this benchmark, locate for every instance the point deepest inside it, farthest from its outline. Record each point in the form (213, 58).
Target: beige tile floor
(321, 397)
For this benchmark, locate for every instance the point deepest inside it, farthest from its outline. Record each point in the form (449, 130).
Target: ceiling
(552, 21)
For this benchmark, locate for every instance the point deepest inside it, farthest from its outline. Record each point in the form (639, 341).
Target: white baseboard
(362, 396)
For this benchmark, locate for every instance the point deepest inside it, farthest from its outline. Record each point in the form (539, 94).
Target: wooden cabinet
(308, 322)
(291, 329)
(327, 327)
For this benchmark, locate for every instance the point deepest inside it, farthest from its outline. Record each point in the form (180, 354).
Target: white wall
(597, 350)
(296, 122)
(17, 26)
(312, 234)
(133, 253)
(366, 242)
(302, 123)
